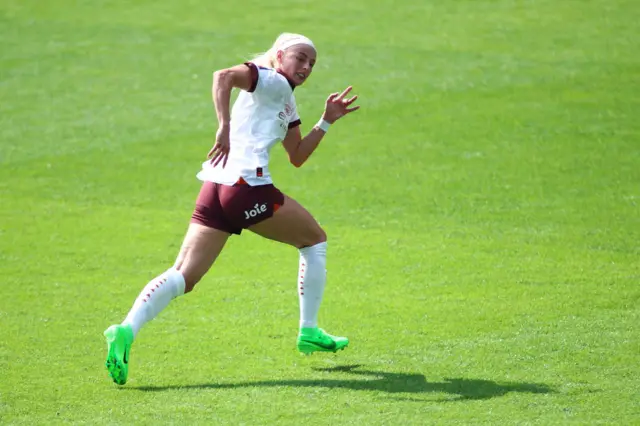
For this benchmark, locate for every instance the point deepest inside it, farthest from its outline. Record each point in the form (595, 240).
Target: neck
(291, 82)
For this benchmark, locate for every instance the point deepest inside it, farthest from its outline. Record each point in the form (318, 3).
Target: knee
(190, 280)
(316, 237)
(191, 274)
(321, 236)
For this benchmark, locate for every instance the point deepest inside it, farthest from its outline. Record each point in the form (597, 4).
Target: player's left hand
(337, 106)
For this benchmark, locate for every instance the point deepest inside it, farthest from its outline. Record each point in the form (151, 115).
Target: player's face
(297, 62)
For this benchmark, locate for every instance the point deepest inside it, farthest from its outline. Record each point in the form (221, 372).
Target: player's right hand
(220, 150)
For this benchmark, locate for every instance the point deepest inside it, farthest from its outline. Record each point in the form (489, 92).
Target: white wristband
(323, 125)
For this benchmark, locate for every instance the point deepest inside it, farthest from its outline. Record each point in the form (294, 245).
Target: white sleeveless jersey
(260, 118)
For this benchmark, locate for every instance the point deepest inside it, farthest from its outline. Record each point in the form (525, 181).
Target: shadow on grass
(465, 389)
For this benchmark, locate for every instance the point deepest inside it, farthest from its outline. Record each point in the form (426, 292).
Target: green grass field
(482, 211)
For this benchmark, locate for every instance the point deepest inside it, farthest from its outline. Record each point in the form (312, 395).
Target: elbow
(221, 77)
(297, 162)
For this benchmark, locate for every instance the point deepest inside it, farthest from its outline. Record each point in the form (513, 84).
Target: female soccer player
(238, 193)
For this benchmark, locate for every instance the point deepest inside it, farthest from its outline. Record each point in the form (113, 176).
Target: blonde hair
(270, 57)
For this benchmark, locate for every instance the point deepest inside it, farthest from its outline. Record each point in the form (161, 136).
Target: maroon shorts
(232, 208)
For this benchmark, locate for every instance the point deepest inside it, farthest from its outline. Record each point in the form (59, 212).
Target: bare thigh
(200, 248)
(291, 224)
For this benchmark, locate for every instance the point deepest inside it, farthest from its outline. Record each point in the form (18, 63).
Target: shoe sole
(115, 366)
(308, 348)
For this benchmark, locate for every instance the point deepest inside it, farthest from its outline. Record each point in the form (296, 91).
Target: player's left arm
(300, 149)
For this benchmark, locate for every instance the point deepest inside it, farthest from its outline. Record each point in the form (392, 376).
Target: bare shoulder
(243, 76)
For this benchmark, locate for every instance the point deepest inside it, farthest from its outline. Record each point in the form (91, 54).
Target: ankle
(308, 330)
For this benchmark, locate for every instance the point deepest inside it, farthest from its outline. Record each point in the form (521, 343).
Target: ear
(279, 56)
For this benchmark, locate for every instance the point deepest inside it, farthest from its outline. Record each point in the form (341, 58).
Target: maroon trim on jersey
(254, 75)
(291, 83)
(295, 123)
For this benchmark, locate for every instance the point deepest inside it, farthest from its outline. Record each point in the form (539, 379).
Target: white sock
(154, 298)
(312, 277)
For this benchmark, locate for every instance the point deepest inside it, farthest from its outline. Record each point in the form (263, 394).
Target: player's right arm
(244, 77)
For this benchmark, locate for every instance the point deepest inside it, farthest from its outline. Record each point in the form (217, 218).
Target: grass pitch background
(482, 212)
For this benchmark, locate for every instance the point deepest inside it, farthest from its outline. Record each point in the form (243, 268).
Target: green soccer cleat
(315, 339)
(119, 339)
